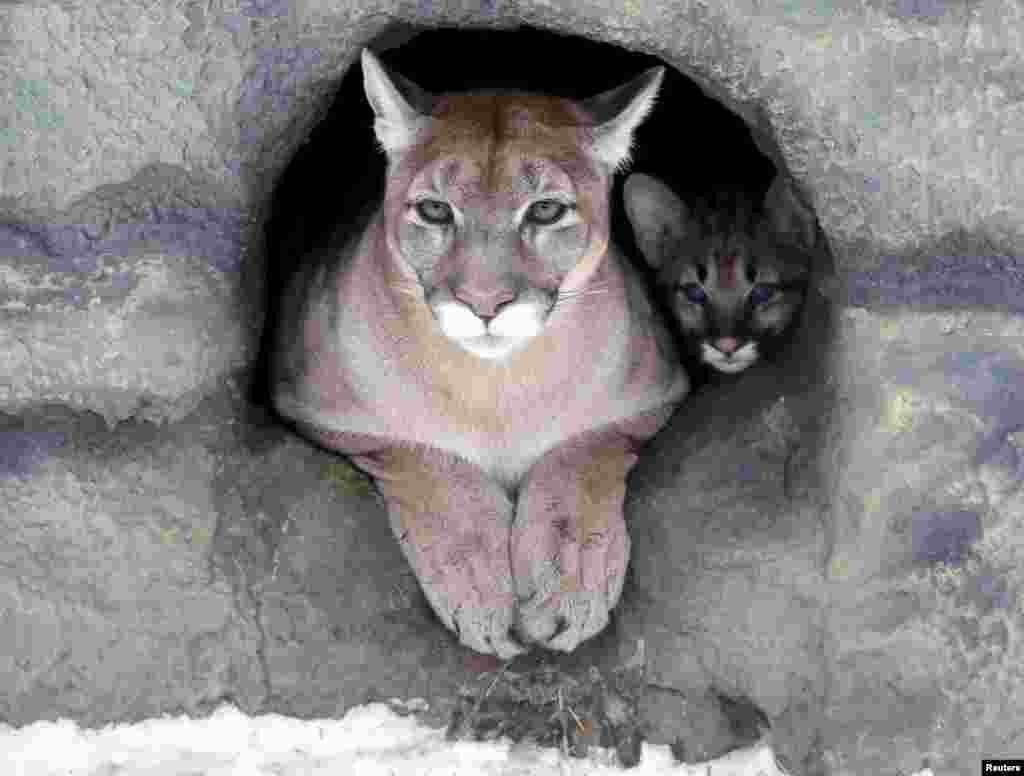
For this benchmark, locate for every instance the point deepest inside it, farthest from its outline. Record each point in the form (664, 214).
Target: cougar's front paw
(568, 573)
(468, 581)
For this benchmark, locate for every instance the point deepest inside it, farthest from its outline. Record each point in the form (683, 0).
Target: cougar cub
(734, 274)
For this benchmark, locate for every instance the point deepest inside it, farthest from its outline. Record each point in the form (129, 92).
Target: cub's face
(734, 278)
(496, 209)
(731, 300)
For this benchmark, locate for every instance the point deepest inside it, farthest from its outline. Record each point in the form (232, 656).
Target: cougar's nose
(727, 345)
(485, 304)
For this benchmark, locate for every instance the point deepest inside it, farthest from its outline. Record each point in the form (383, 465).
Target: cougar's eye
(434, 211)
(546, 212)
(694, 293)
(761, 293)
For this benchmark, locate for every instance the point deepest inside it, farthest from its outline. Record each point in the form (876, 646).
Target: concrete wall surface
(837, 538)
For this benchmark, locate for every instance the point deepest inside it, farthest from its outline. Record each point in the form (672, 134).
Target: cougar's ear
(401, 108)
(617, 113)
(789, 216)
(659, 218)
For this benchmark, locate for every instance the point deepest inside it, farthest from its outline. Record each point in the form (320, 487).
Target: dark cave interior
(690, 140)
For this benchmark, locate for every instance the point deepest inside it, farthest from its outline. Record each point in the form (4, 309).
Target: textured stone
(837, 538)
(924, 572)
(144, 335)
(105, 594)
(152, 568)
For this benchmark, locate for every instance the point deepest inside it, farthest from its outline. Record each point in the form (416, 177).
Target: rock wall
(837, 538)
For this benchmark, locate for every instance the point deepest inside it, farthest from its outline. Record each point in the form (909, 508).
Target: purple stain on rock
(989, 589)
(1008, 377)
(992, 386)
(263, 8)
(233, 22)
(249, 98)
(249, 134)
(943, 536)
(123, 281)
(872, 184)
(73, 296)
(919, 9)
(235, 166)
(993, 389)
(53, 240)
(21, 451)
(213, 234)
(991, 382)
(67, 240)
(967, 374)
(72, 265)
(225, 256)
(488, 7)
(279, 103)
(273, 78)
(948, 281)
(282, 65)
(744, 471)
(995, 449)
(18, 241)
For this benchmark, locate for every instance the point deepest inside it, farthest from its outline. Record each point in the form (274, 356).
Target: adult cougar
(484, 353)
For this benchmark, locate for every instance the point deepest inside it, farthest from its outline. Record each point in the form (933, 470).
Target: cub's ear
(401, 108)
(658, 216)
(617, 113)
(789, 216)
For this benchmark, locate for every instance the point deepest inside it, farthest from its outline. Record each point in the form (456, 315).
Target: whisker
(576, 296)
(595, 290)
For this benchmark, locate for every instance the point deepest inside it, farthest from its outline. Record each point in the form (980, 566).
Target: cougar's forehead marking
(499, 130)
(531, 174)
(727, 270)
(449, 173)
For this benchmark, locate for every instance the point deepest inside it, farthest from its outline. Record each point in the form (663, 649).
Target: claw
(561, 626)
(516, 638)
(455, 623)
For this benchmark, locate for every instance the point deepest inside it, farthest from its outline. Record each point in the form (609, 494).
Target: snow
(370, 740)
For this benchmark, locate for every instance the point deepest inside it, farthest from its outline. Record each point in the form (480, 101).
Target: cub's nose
(727, 345)
(485, 304)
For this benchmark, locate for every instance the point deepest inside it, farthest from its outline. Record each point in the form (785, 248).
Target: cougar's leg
(570, 547)
(453, 523)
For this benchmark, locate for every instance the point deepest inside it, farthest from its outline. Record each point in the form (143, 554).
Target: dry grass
(549, 706)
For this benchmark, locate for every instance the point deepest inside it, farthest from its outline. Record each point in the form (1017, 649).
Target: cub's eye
(434, 211)
(694, 293)
(546, 212)
(761, 293)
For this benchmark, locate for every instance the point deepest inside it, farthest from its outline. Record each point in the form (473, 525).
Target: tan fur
(501, 455)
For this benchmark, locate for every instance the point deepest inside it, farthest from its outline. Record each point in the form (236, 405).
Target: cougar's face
(499, 211)
(496, 210)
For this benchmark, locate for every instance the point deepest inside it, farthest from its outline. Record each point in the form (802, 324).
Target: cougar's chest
(381, 375)
(502, 420)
